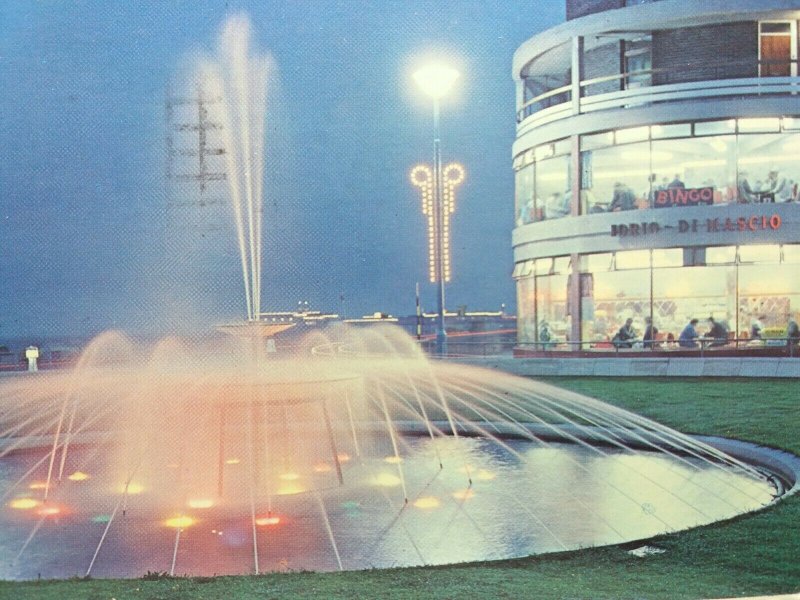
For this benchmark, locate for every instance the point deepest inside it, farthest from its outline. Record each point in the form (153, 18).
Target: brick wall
(580, 8)
(599, 62)
(695, 53)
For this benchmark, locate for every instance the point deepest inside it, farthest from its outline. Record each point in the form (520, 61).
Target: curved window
(748, 289)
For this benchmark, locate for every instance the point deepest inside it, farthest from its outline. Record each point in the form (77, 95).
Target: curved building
(657, 165)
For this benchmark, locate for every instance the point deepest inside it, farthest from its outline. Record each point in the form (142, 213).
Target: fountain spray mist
(238, 77)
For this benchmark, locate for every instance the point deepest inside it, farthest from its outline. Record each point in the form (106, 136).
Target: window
(777, 48)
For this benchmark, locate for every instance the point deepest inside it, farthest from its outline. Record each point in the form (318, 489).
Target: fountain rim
(780, 467)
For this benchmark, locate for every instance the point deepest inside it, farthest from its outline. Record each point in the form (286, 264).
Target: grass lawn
(750, 555)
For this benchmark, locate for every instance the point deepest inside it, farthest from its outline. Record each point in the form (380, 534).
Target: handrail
(524, 111)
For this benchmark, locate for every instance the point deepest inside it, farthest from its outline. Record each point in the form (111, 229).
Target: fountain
(349, 450)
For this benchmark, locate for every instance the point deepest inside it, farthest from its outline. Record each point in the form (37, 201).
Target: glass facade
(730, 161)
(751, 290)
(543, 183)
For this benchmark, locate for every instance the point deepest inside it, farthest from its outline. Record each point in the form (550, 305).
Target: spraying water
(238, 77)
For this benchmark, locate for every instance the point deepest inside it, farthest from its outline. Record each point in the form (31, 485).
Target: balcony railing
(706, 80)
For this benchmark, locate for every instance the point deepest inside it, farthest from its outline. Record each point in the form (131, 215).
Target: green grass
(750, 555)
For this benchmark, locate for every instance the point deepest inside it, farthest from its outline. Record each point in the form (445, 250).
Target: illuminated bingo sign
(683, 197)
(438, 221)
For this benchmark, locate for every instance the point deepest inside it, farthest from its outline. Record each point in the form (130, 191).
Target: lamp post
(435, 81)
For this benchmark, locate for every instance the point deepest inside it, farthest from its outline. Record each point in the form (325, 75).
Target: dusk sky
(82, 192)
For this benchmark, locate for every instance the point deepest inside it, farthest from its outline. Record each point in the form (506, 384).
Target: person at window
(746, 193)
(625, 336)
(623, 199)
(778, 188)
(792, 333)
(676, 183)
(718, 333)
(689, 335)
(544, 334)
(650, 333)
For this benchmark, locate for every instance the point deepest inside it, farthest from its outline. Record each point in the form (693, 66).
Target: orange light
(24, 503)
(322, 467)
(180, 522)
(232, 461)
(200, 503)
(427, 502)
(343, 457)
(265, 521)
(37, 485)
(78, 476)
(49, 511)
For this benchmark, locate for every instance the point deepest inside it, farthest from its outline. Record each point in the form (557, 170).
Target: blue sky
(82, 195)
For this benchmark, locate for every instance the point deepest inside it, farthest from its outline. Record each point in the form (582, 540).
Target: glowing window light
(49, 511)
(200, 503)
(181, 522)
(24, 503)
(78, 476)
(427, 502)
(387, 480)
(266, 521)
(37, 485)
(232, 461)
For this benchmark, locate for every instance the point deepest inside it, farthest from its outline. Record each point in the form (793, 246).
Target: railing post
(577, 73)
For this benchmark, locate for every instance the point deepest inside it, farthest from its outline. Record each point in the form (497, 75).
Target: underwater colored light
(265, 521)
(393, 460)
(37, 485)
(290, 487)
(24, 503)
(343, 457)
(387, 480)
(101, 518)
(180, 522)
(49, 510)
(132, 489)
(200, 503)
(322, 467)
(232, 461)
(427, 502)
(78, 476)
(464, 494)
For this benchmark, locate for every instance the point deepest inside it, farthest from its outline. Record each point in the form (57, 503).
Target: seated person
(718, 333)
(625, 336)
(623, 199)
(689, 335)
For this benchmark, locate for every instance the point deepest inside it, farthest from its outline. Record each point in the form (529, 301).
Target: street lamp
(435, 81)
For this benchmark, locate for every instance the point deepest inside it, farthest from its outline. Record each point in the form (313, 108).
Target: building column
(577, 73)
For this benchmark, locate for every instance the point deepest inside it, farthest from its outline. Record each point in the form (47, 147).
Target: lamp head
(436, 80)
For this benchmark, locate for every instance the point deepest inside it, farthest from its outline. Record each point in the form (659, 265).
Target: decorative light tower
(435, 81)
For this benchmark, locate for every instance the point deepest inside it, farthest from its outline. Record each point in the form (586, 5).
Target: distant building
(656, 169)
